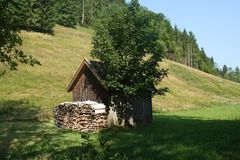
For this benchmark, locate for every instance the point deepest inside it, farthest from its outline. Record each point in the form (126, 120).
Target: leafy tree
(127, 44)
(10, 55)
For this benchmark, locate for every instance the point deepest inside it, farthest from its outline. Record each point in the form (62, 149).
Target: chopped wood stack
(80, 116)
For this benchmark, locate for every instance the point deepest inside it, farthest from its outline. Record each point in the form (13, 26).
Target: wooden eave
(80, 70)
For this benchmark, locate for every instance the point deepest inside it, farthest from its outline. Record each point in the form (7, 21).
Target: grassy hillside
(45, 86)
(191, 88)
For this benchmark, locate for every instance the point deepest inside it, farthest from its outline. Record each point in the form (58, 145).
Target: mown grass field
(200, 134)
(208, 131)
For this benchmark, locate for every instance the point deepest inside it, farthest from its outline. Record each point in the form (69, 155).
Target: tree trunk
(91, 11)
(192, 56)
(83, 11)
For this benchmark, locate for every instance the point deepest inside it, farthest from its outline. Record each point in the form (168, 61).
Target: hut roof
(93, 66)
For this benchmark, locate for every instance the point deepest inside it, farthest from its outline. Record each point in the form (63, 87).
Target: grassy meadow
(198, 119)
(201, 134)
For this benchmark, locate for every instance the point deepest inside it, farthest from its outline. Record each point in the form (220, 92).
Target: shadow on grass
(19, 126)
(181, 138)
(22, 110)
(18, 110)
(36, 140)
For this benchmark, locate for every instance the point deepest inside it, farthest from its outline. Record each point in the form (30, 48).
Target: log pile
(80, 116)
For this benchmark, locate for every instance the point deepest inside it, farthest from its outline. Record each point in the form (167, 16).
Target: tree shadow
(173, 137)
(18, 110)
(12, 113)
(36, 140)
(19, 125)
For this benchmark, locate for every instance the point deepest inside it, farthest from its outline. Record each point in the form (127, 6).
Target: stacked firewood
(79, 116)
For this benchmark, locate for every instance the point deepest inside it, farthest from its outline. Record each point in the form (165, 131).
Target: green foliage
(36, 15)
(68, 12)
(127, 44)
(84, 12)
(10, 55)
(91, 9)
(229, 73)
(237, 74)
(46, 15)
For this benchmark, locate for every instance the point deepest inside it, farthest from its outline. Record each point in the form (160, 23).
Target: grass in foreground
(202, 134)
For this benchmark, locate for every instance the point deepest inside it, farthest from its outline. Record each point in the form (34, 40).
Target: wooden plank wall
(142, 108)
(89, 88)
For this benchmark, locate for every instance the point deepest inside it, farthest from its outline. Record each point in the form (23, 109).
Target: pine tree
(237, 74)
(224, 70)
(23, 13)
(46, 15)
(185, 49)
(90, 10)
(68, 12)
(36, 15)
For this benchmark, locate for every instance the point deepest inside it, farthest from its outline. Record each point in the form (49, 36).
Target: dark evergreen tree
(224, 70)
(36, 15)
(45, 15)
(68, 12)
(237, 75)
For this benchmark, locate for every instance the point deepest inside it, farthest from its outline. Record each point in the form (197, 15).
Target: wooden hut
(87, 85)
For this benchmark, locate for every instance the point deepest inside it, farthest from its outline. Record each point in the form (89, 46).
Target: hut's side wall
(89, 88)
(142, 109)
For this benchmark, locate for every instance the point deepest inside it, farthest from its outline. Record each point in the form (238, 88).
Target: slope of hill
(60, 55)
(191, 88)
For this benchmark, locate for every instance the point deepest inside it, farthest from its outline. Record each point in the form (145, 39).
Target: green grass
(201, 134)
(230, 112)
